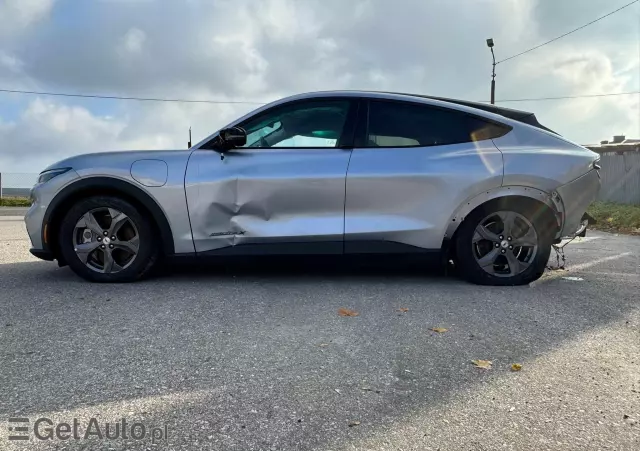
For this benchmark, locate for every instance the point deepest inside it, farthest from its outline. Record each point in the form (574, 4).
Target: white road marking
(554, 275)
(587, 238)
(578, 240)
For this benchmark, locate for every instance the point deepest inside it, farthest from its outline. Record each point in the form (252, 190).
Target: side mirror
(233, 137)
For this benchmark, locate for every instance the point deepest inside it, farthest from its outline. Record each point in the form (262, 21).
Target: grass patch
(615, 217)
(15, 202)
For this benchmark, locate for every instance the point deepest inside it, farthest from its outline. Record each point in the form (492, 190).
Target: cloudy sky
(260, 50)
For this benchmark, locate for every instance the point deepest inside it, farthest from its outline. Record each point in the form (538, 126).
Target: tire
(471, 245)
(98, 258)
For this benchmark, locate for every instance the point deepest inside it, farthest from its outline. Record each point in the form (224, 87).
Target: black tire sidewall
(469, 268)
(147, 252)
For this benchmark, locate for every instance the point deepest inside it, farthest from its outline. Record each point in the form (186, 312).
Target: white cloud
(133, 41)
(48, 131)
(259, 51)
(573, 71)
(18, 14)
(10, 62)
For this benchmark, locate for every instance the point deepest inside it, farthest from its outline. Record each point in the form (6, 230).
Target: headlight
(51, 173)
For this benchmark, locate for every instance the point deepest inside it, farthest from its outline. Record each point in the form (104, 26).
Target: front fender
(109, 185)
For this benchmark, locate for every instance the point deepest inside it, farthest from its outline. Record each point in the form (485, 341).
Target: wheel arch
(94, 186)
(548, 205)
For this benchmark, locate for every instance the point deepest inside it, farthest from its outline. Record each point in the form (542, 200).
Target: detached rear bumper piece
(576, 197)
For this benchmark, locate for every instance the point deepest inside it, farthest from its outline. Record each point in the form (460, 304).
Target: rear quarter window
(405, 124)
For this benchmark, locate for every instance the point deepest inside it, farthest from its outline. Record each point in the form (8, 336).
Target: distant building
(618, 144)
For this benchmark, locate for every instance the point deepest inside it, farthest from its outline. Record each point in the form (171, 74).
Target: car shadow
(254, 355)
(373, 266)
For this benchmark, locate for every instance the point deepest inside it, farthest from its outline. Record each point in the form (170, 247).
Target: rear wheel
(503, 245)
(106, 239)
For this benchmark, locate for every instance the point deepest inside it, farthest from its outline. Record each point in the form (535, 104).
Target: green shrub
(615, 217)
(15, 202)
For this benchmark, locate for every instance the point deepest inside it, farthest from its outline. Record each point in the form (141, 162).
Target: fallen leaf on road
(403, 309)
(346, 312)
(516, 367)
(353, 423)
(439, 330)
(484, 364)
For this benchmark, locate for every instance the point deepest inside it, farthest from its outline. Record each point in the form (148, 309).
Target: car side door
(412, 165)
(284, 191)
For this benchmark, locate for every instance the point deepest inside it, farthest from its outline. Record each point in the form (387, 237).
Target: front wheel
(503, 246)
(106, 239)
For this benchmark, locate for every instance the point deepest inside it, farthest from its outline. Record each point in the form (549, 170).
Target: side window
(396, 124)
(313, 123)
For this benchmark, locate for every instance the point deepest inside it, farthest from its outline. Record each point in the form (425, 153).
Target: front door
(284, 192)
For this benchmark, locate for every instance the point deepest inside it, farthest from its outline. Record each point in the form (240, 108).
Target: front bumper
(41, 196)
(42, 254)
(576, 197)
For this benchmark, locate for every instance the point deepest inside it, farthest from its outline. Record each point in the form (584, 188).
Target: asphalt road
(13, 211)
(257, 358)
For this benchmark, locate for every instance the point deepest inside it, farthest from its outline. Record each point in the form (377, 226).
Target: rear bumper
(576, 197)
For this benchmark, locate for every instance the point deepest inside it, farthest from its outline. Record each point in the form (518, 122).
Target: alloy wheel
(505, 243)
(106, 240)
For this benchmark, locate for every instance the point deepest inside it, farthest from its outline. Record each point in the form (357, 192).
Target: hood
(112, 158)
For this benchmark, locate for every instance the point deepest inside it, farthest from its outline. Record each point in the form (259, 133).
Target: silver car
(327, 173)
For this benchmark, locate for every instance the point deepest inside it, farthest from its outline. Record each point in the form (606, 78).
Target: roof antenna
(189, 143)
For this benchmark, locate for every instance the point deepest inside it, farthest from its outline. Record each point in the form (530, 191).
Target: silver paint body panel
(407, 195)
(170, 197)
(41, 195)
(416, 196)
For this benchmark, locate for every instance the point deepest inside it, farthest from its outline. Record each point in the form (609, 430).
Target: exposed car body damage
(577, 195)
(503, 192)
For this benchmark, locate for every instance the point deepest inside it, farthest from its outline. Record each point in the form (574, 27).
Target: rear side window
(402, 124)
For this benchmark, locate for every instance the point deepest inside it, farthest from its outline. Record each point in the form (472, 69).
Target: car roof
(525, 117)
(488, 111)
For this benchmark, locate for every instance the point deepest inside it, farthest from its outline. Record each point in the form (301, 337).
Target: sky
(261, 50)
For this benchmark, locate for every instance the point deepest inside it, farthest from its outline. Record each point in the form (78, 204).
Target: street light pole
(493, 73)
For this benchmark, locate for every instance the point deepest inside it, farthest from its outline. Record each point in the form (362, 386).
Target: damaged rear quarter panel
(541, 160)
